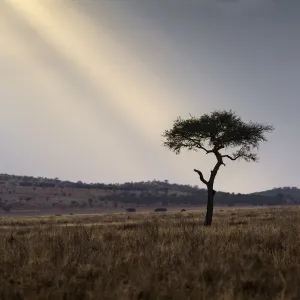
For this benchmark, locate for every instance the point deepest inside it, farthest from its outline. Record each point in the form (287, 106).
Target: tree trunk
(210, 206)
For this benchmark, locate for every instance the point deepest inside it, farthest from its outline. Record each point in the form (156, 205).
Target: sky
(87, 87)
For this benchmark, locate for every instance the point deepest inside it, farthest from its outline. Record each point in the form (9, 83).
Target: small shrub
(130, 209)
(160, 209)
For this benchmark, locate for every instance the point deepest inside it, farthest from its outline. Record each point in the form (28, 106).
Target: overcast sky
(87, 87)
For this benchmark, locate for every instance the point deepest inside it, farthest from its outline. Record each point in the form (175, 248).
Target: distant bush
(130, 209)
(46, 184)
(83, 204)
(74, 203)
(7, 208)
(25, 183)
(160, 209)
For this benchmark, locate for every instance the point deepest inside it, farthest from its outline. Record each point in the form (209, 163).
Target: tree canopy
(219, 130)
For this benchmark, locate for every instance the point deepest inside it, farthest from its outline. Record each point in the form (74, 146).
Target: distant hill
(293, 192)
(27, 192)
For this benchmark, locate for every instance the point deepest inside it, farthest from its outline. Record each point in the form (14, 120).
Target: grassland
(246, 254)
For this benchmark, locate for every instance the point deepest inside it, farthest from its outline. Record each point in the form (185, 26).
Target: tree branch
(232, 158)
(198, 145)
(201, 176)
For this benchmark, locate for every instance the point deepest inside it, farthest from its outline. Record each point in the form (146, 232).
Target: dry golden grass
(246, 254)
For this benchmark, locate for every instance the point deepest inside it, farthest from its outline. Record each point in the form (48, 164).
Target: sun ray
(57, 111)
(108, 65)
(131, 93)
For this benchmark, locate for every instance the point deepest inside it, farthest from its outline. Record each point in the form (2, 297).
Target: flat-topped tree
(219, 130)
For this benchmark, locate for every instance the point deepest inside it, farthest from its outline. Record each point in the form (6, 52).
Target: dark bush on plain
(130, 209)
(160, 209)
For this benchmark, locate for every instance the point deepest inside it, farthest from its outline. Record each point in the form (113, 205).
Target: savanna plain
(248, 253)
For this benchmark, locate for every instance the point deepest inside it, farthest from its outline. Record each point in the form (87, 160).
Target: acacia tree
(213, 133)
